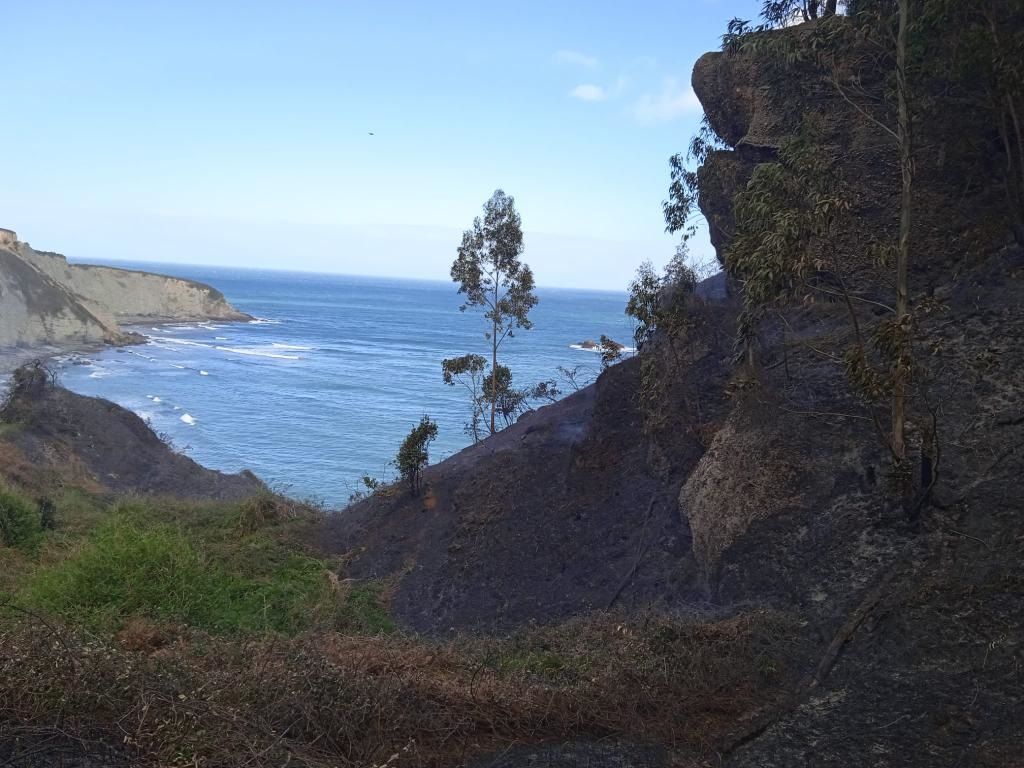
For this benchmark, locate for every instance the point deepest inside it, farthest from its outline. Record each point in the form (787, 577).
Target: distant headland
(47, 304)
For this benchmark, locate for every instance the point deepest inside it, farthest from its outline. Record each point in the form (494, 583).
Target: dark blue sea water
(325, 384)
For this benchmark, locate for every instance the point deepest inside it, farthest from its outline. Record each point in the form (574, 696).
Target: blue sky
(237, 133)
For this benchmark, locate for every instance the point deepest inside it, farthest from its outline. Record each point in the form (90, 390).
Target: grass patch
(540, 663)
(213, 566)
(77, 513)
(14, 567)
(128, 567)
(364, 611)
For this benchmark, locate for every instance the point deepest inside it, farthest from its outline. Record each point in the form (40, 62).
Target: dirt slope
(571, 509)
(50, 430)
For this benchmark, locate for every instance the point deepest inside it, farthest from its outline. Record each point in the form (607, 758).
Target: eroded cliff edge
(45, 301)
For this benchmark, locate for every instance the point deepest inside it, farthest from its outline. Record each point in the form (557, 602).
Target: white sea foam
(182, 341)
(257, 353)
(188, 419)
(291, 346)
(175, 365)
(220, 338)
(203, 373)
(264, 321)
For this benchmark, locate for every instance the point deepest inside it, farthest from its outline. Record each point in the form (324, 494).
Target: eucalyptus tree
(656, 302)
(780, 13)
(490, 274)
(413, 453)
(469, 372)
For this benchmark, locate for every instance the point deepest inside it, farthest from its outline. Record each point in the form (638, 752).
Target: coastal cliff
(45, 301)
(36, 310)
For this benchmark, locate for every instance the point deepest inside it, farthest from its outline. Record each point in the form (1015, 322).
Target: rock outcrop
(791, 505)
(763, 95)
(911, 601)
(44, 300)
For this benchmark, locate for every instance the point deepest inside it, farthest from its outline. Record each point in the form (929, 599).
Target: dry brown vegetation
(269, 508)
(175, 697)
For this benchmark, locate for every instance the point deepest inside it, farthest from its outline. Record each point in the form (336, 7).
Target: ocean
(321, 388)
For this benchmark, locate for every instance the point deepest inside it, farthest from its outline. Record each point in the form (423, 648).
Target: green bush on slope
(20, 524)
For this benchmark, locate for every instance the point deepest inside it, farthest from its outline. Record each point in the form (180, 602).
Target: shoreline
(12, 358)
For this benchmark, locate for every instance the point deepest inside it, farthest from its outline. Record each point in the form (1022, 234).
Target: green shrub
(20, 524)
(130, 568)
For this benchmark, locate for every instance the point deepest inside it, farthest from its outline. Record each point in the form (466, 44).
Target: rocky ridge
(56, 437)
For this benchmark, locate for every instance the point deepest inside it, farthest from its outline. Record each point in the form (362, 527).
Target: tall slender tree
(492, 277)
(906, 154)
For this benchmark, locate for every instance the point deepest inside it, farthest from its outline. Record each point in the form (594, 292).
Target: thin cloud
(672, 101)
(589, 92)
(577, 59)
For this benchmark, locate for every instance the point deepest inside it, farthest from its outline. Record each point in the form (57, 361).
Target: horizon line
(105, 262)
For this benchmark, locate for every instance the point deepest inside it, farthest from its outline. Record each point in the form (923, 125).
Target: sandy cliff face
(129, 295)
(36, 310)
(46, 301)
